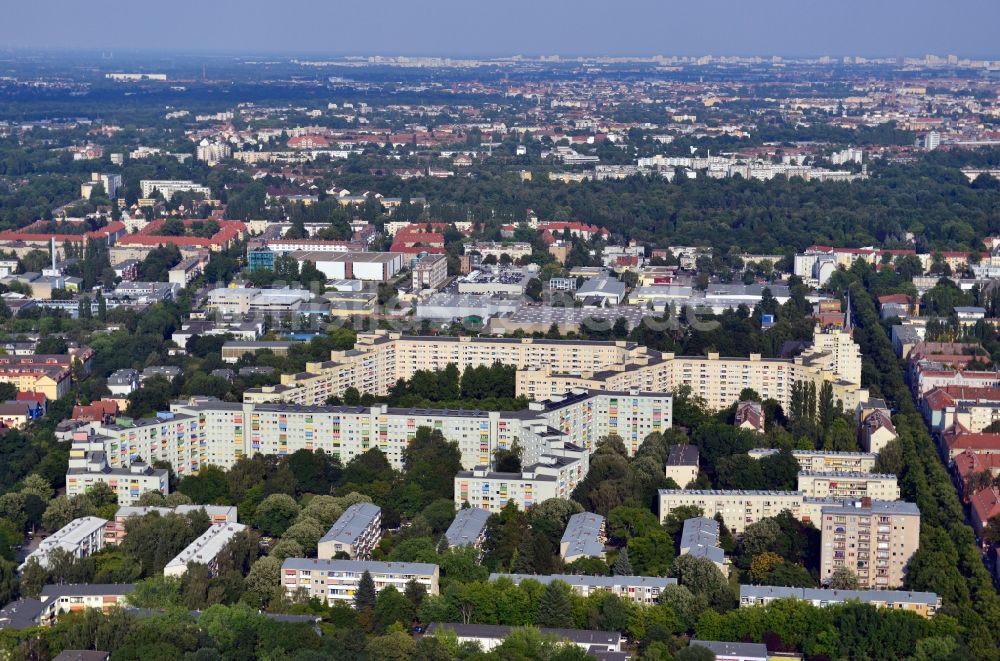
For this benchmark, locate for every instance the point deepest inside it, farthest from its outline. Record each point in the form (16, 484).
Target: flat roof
(822, 594)
(496, 631)
(592, 581)
(359, 566)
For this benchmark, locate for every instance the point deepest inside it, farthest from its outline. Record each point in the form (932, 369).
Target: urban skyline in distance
(448, 27)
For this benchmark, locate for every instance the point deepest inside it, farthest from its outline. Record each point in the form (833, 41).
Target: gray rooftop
(683, 455)
(468, 525)
(352, 523)
(582, 535)
(768, 592)
(733, 650)
(591, 581)
(578, 636)
(360, 566)
(888, 507)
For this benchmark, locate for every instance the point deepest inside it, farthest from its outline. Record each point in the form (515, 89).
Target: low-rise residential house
(682, 464)
(750, 416)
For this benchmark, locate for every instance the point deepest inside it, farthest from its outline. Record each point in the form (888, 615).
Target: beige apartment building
(874, 539)
(738, 508)
(333, 581)
(827, 461)
(852, 486)
(355, 533)
(551, 367)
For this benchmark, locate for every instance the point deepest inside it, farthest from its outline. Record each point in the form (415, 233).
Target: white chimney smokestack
(53, 242)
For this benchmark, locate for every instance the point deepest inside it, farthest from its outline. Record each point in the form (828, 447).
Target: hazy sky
(481, 27)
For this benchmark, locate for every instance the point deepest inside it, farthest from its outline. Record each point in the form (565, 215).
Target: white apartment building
(848, 486)
(554, 477)
(355, 533)
(924, 604)
(738, 508)
(81, 537)
(58, 599)
(337, 580)
(168, 187)
(826, 461)
(640, 589)
(205, 550)
(874, 539)
(88, 465)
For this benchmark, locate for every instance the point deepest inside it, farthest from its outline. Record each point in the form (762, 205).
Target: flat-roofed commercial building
(334, 581)
(80, 537)
(233, 350)
(468, 528)
(924, 604)
(873, 539)
(641, 589)
(848, 486)
(355, 533)
(826, 460)
(738, 508)
(371, 266)
(584, 537)
(205, 550)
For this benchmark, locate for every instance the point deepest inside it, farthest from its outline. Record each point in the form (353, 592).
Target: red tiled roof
(985, 504)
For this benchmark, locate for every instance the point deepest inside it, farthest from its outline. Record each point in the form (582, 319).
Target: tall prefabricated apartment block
(874, 539)
(337, 580)
(355, 533)
(205, 550)
(219, 433)
(826, 461)
(852, 486)
(924, 604)
(641, 589)
(548, 368)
